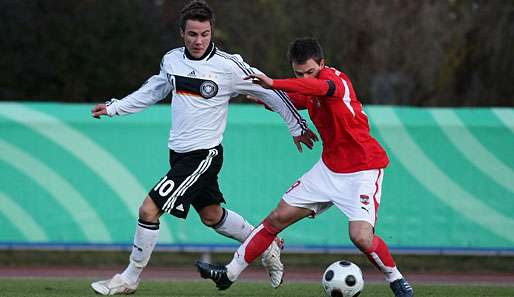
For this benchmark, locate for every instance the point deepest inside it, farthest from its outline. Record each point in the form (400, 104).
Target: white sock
(233, 225)
(131, 273)
(237, 265)
(392, 273)
(145, 239)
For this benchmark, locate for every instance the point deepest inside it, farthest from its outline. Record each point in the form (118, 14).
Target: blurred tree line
(424, 53)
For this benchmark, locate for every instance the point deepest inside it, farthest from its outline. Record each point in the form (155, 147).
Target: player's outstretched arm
(330, 86)
(99, 110)
(307, 137)
(152, 91)
(278, 101)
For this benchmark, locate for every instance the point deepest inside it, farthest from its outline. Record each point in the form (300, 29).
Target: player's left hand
(307, 138)
(99, 110)
(261, 80)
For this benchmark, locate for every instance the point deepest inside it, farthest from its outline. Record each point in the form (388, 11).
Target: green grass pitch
(54, 287)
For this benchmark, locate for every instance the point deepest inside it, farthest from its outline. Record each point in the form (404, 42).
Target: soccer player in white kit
(349, 174)
(202, 79)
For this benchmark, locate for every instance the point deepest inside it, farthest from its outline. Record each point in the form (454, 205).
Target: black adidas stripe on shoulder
(282, 95)
(239, 64)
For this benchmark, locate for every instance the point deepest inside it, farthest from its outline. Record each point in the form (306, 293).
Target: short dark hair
(197, 10)
(303, 49)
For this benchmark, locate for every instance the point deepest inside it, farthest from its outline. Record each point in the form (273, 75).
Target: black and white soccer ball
(343, 279)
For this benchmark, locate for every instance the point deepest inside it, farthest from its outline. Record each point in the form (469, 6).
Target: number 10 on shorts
(164, 187)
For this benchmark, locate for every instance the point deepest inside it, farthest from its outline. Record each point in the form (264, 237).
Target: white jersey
(201, 90)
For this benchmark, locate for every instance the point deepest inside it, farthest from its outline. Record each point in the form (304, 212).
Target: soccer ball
(343, 279)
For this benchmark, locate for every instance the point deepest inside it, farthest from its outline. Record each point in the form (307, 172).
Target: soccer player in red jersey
(349, 174)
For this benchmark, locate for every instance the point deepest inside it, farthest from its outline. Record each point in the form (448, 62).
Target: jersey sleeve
(277, 100)
(325, 86)
(300, 101)
(152, 91)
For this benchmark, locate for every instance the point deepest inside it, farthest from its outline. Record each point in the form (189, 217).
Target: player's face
(309, 69)
(197, 37)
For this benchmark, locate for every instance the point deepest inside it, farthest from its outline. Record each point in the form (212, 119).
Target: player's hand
(99, 110)
(307, 138)
(261, 80)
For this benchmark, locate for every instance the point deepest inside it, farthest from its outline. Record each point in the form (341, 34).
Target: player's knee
(211, 216)
(277, 219)
(361, 240)
(210, 221)
(149, 214)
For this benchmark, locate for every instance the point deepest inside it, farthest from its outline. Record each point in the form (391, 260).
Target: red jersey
(337, 114)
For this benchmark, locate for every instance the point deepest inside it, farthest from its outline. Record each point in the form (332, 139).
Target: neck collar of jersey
(322, 69)
(209, 53)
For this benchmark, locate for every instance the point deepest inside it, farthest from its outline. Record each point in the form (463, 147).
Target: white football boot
(114, 286)
(271, 261)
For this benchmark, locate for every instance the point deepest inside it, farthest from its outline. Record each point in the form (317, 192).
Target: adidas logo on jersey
(192, 74)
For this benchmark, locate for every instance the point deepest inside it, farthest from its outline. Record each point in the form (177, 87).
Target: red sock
(259, 240)
(379, 254)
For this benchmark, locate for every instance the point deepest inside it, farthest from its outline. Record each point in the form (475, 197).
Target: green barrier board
(66, 178)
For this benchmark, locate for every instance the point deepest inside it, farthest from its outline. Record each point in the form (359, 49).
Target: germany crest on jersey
(196, 86)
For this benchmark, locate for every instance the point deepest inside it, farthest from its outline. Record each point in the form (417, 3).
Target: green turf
(80, 287)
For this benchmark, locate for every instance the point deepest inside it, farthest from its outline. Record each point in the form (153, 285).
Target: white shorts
(356, 194)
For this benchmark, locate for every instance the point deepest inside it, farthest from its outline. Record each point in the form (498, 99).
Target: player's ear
(322, 63)
(182, 33)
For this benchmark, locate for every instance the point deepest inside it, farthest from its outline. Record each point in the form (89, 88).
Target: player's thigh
(311, 191)
(149, 211)
(185, 181)
(358, 196)
(285, 215)
(209, 194)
